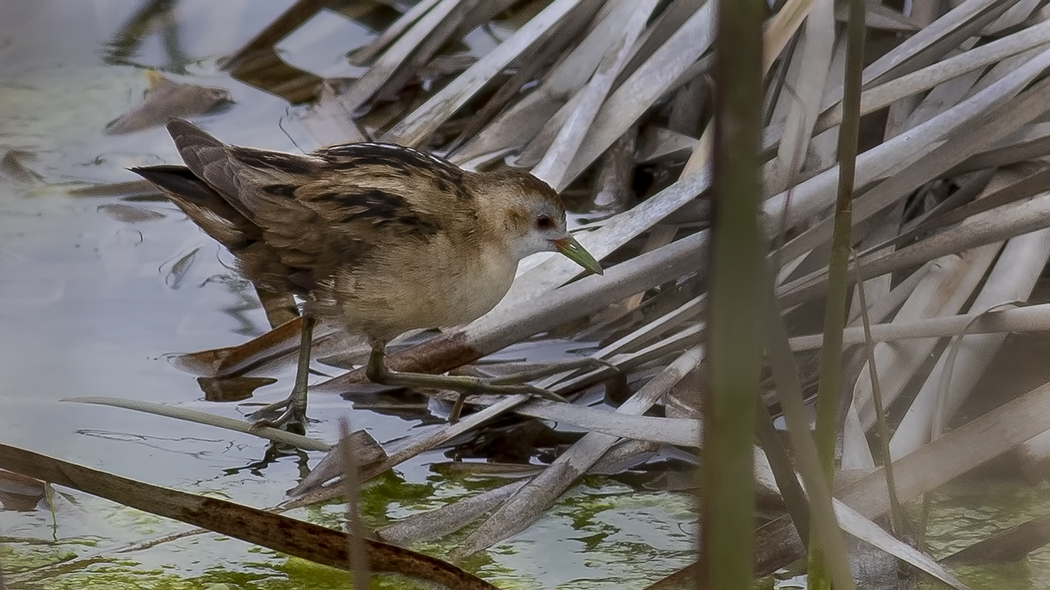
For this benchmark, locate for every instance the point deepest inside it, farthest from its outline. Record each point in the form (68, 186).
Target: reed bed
(923, 168)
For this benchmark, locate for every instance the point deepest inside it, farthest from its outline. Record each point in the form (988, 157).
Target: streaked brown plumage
(380, 237)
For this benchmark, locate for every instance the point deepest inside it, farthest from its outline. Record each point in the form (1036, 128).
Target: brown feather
(384, 237)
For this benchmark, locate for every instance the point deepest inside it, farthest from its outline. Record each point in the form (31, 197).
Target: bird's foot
(292, 414)
(492, 386)
(512, 384)
(503, 387)
(585, 363)
(517, 383)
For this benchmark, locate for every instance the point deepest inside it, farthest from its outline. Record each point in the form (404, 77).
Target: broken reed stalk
(358, 553)
(736, 259)
(822, 571)
(789, 393)
(264, 528)
(880, 412)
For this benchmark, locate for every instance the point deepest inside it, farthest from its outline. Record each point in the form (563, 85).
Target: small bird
(377, 237)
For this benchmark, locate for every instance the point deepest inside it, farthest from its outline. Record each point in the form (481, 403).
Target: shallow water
(95, 291)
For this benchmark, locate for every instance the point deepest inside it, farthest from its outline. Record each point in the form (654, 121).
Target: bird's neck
(493, 230)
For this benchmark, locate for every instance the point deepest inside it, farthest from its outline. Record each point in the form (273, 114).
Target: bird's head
(534, 219)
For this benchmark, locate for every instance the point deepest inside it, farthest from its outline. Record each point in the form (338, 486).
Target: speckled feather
(383, 237)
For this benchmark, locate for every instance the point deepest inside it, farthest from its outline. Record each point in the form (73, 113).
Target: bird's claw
(292, 417)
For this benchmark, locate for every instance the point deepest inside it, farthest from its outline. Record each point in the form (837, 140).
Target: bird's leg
(377, 372)
(294, 405)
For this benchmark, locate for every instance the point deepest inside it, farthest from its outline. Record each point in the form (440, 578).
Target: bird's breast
(476, 293)
(432, 287)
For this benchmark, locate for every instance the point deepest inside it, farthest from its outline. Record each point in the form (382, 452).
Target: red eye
(544, 222)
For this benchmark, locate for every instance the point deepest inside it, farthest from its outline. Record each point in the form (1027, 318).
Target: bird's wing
(241, 175)
(332, 208)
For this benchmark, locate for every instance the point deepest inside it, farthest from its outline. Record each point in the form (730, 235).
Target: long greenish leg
(294, 405)
(377, 372)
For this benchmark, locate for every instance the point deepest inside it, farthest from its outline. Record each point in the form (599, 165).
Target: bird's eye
(544, 222)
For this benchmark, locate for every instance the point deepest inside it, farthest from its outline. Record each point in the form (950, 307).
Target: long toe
(291, 416)
(549, 369)
(291, 419)
(511, 389)
(545, 393)
(271, 411)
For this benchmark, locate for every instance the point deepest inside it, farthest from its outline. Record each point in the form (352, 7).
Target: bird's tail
(203, 205)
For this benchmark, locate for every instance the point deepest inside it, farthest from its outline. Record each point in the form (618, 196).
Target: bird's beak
(575, 252)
